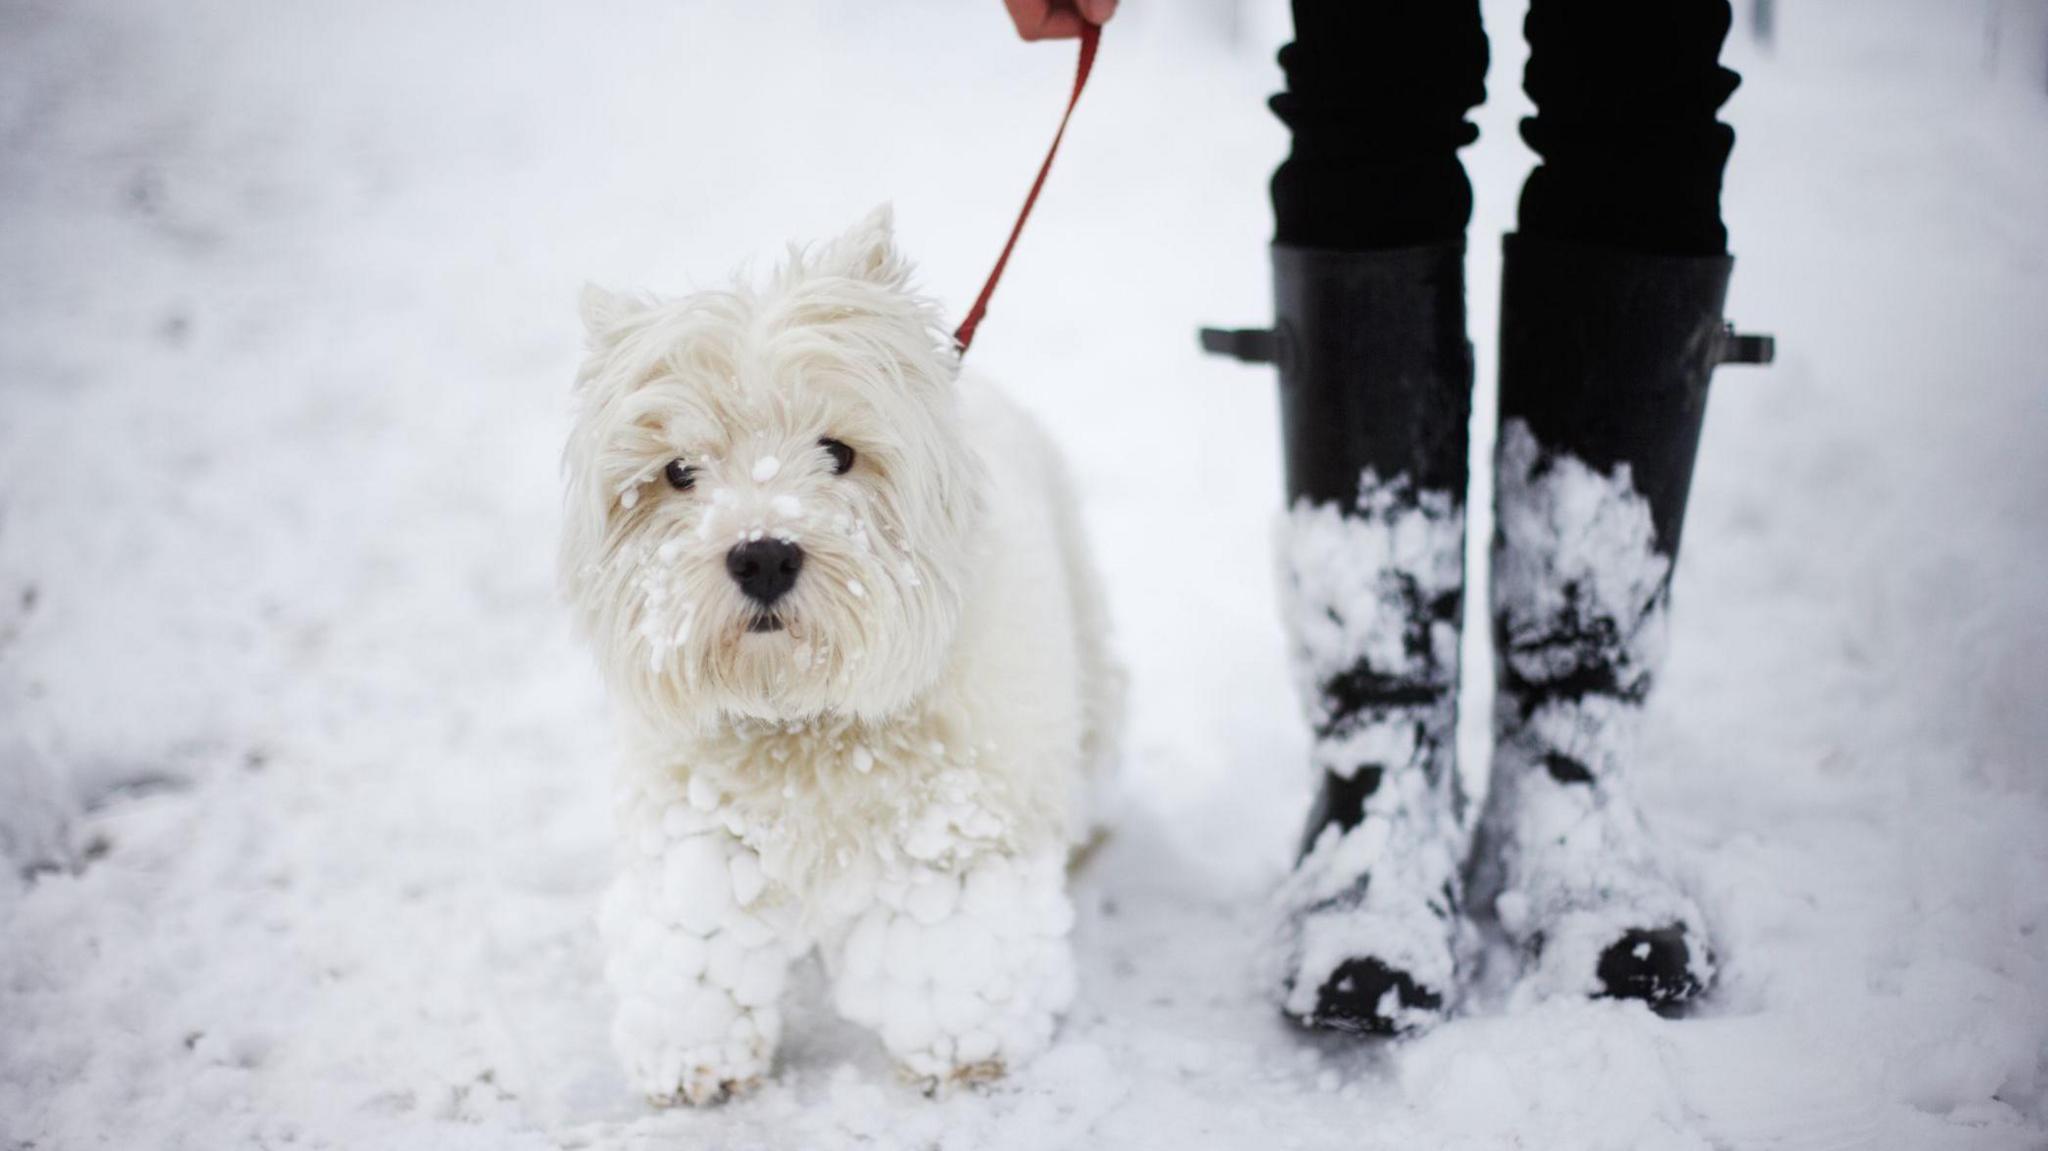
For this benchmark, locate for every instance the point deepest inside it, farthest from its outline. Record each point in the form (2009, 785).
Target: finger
(1059, 24)
(1098, 11)
(1043, 19)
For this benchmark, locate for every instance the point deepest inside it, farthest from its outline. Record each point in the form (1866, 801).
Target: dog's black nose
(765, 569)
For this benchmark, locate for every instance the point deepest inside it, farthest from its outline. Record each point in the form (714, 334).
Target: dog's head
(769, 497)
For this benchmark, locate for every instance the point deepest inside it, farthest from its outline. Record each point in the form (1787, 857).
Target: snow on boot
(1375, 390)
(1605, 360)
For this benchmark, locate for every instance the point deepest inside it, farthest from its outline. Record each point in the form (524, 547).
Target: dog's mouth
(764, 623)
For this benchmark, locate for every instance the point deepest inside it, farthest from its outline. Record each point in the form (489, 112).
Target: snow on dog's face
(768, 496)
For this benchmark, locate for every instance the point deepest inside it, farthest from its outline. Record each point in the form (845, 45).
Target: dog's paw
(703, 1088)
(667, 1061)
(968, 1075)
(962, 978)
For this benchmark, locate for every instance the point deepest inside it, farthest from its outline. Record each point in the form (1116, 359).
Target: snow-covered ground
(313, 785)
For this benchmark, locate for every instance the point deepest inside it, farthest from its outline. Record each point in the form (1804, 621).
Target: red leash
(964, 334)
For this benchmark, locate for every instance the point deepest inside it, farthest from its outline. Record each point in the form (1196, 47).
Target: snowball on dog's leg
(698, 956)
(963, 976)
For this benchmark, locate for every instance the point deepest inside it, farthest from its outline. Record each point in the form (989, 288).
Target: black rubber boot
(1375, 404)
(1605, 361)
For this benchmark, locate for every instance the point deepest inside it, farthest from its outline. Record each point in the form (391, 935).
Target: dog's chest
(833, 808)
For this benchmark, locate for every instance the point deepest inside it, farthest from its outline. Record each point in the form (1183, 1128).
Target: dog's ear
(867, 251)
(604, 314)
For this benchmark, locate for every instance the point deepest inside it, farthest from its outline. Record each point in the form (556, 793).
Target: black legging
(1626, 93)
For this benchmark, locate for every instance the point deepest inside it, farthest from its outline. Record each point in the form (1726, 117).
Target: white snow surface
(322, 786)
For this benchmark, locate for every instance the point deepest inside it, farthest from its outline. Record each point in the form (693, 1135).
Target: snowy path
(283, 366)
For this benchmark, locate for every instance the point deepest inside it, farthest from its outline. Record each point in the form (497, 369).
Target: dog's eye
(681, 476)
(842, 456)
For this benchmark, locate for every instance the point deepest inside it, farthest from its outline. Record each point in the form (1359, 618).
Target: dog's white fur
(899, 774)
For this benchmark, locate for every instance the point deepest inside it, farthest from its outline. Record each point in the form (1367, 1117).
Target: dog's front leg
(962, 972)
(697, 956)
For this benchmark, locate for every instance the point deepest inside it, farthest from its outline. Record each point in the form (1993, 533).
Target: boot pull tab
(1736, 347)
(1246, 345)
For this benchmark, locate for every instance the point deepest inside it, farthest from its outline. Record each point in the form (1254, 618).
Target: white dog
(861, 654)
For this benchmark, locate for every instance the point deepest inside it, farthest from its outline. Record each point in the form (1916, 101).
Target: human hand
(1057, 19)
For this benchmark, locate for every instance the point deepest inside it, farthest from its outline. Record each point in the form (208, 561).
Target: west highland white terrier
(844, 602)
